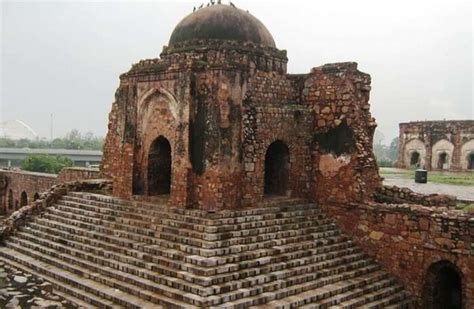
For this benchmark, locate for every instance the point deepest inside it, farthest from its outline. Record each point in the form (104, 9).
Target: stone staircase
(106, 252)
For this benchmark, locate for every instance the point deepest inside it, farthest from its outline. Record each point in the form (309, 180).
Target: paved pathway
(461, 192)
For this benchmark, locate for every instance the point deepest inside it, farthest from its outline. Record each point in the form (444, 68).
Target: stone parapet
(396, 195)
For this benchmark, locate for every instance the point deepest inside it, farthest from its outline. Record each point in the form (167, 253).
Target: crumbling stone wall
(346, 170)
(396, 195)
(408, 239)
(440, 144)
(221, 107)
(77, 173)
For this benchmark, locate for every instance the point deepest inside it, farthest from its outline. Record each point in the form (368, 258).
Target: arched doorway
(10, 199)
(159, 167)
(36, 196)
(23, 199)
(277, 167)
(470, 161)
(443, 286)
(443, 160)
(415, 158)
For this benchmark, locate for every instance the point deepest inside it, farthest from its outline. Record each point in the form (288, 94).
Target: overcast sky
(64, 58)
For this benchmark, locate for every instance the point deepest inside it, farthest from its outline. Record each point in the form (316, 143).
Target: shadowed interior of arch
(443, 160)
(414, 158)
(470, 161)
(443, 287)
(159, 167)
(10, 199)
(277, 165)
(23, 199)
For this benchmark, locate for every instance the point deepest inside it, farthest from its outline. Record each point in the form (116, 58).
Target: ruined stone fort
(437, 145)
(227, 182)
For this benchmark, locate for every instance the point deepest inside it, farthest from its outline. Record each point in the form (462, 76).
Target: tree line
(50, 163)
(72, 140)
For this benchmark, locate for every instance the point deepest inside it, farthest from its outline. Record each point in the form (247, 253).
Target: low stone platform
(106, 252)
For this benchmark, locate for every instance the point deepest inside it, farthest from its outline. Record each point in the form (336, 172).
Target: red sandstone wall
(21, 181)
(406, 240)
(77, 173)
(339, 93)
(221, 109)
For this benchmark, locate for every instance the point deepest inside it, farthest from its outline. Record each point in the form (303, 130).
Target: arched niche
(277, 169)
(415, 147)
(443, 286)
(23, 199)
(159, 167)
(442, 154)
(467, 155)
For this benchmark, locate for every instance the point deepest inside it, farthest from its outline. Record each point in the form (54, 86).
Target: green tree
(393, 150)
(45, 163)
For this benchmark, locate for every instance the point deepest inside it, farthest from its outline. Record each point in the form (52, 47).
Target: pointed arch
(443, 286)
(23, 199)
(159, 167)
(277, 169)
(10, 200)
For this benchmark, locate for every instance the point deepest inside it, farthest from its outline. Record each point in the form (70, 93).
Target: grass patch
(467, 207)
(460, 179)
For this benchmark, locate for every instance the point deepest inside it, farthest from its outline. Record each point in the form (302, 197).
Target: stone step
(320, 294)
(225, 274)
(274, 251)
(270, 298)
(359, 296)
(249, 214)
(198, 275)
(135, 240)
(172, 257)
(144, 228)
(130, 284)
(294, 281)
(400, 299)
(210, 225)
(143, 269)
(60, 253)
(199, 231)
(282, 256)
(408, 303)
(90, 291)
(83, 221)
(199, 224)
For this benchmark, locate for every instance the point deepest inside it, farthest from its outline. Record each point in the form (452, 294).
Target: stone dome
(222, 22)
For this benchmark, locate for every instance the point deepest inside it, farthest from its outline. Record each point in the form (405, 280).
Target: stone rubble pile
(23, 290)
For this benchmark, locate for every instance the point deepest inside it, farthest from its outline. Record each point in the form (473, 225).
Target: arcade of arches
(442, 145)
